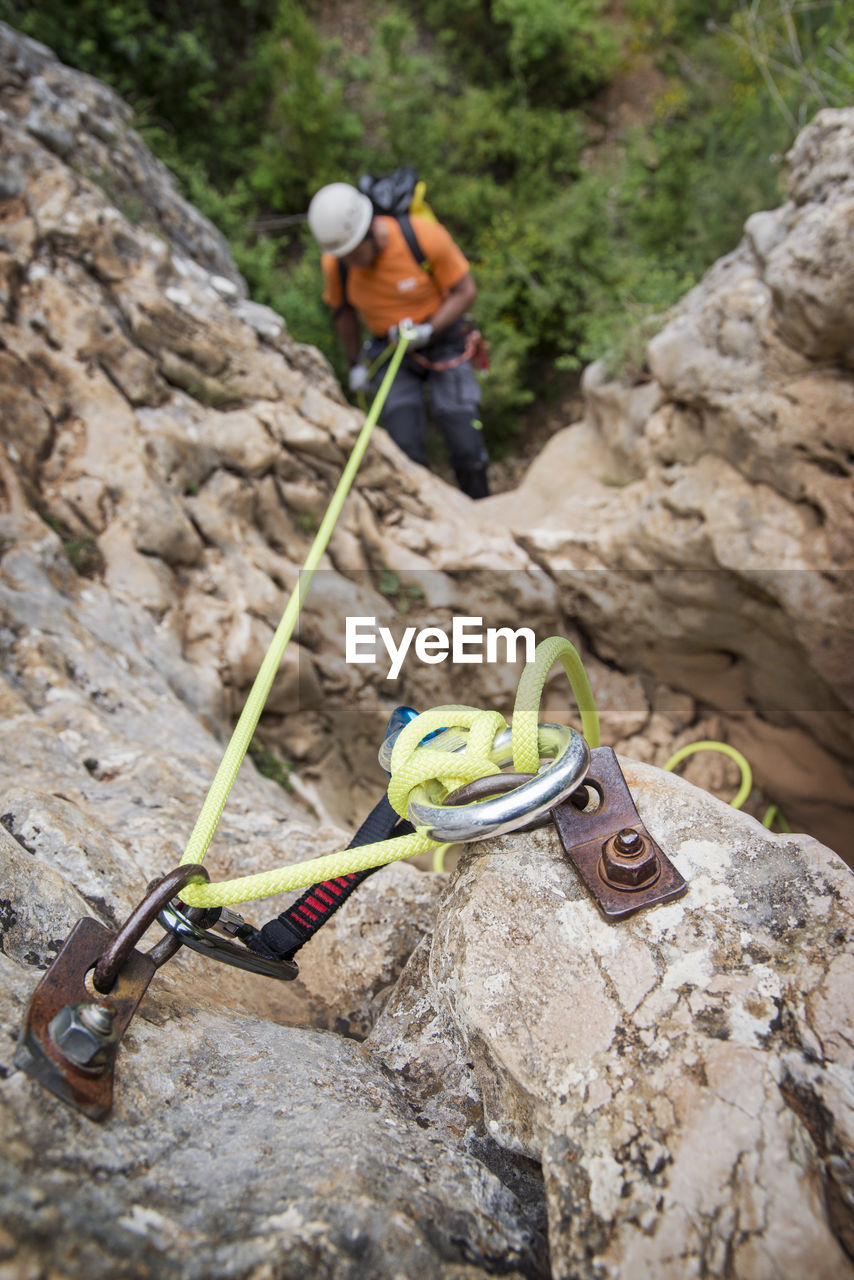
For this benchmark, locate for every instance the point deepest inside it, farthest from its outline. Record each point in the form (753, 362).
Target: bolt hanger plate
(585, 835)
(91, 1091)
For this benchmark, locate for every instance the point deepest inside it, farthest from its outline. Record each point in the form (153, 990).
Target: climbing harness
(475, 349)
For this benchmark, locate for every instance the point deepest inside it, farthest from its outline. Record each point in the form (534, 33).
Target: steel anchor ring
(460, 824)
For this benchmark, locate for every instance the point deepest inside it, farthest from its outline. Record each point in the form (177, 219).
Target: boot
(473, 481)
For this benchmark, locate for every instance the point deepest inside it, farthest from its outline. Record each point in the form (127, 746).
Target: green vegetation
(580, 238)
(402, 595)
(83, 553)
(308, 522)
(271, 765)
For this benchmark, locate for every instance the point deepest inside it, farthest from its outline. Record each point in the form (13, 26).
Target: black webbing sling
(281, 938)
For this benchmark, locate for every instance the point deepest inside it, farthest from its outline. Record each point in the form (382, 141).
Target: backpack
(398, 196)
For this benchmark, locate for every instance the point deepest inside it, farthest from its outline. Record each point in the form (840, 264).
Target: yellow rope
(725, 749)
(429, 771)
(215, 801)
(773, 812)
(414, 769)
(746, 786)
(424, 770)
(526, 758)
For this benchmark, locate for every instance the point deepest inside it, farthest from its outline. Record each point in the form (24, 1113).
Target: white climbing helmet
(339, 217)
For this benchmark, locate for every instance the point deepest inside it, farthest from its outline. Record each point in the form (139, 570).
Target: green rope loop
(725, 749)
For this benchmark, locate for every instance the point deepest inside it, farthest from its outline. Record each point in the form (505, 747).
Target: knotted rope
(438, 771)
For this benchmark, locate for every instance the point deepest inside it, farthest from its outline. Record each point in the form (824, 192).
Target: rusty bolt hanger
(83, 1005)
(609, 846)
(628, 861)
(85, 1034)
(603, 836)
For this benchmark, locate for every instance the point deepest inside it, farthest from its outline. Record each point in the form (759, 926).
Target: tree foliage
(577, 243)
(557, 52)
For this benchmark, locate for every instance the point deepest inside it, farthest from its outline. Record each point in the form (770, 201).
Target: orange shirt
(395, 287)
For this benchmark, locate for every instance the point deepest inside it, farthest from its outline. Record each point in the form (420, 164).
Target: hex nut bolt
(629, 842)
(627, 860)
(85, 1034)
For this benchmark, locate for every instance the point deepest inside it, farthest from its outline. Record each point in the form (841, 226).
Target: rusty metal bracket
(602, 835)
(612, 851)
(83, 1005)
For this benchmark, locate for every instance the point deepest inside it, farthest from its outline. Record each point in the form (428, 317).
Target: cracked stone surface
(686, 1077)
(673, 1099)
(184, 446)
(91, 786)
(89, 126)
(727, 519)
(236, 1147)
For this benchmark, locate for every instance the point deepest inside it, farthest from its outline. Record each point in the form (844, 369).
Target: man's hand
(358, 379)
(421, 333)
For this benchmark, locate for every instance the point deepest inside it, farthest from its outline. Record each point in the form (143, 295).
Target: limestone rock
(380, 928)
(235, 1148)
(686, 1077)
(168, 453)
(810, 275)
(85, 123)
(715, 551)
(96, 793)
(96, 788)
(185, 447)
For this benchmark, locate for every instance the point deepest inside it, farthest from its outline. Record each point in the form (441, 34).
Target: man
(383, 284)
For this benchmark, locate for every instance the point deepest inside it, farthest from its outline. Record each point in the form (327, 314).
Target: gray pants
(454, 398)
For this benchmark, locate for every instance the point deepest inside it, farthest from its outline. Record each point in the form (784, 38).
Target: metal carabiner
(603, 836)
(160, 892)
(400, 718)
(191, 933)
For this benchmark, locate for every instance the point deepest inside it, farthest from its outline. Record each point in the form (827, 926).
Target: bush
(254, 108)
(307, 131)
(182, 68)
(557, 52)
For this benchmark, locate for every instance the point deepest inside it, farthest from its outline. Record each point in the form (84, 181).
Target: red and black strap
(281, 938)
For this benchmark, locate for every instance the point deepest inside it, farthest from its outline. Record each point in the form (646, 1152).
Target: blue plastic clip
(398, 720)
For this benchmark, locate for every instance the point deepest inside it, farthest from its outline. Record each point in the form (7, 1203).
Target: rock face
(539, 1093)
(85, 124)
(236, 1147)
(718, 546)
(183, 447)
(94, 785)
(685, 1076)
